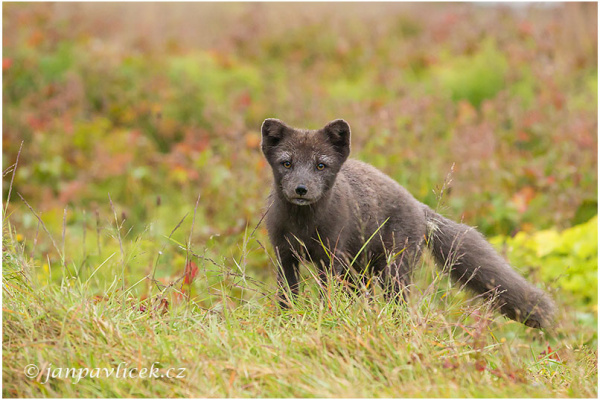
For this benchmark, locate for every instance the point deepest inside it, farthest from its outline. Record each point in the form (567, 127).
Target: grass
(134, 187)
(223, 332)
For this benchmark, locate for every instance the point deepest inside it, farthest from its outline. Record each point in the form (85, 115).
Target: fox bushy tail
(472, 261)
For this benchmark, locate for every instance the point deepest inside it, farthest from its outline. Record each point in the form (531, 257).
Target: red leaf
(244, 100)
(552, 354)
(525, 29)
(480, 365)
(6, 63)
(190, 272)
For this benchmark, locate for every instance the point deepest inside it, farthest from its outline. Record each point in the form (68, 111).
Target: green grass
(131, 225)
(227, 337)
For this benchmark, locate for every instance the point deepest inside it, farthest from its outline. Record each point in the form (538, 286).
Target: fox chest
(313, 240)
(303, 234)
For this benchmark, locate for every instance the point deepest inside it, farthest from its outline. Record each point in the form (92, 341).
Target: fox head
(305, 163)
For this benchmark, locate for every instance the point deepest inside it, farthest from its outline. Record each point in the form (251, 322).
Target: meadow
(134, 191)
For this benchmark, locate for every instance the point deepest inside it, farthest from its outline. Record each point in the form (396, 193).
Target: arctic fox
(341, 213)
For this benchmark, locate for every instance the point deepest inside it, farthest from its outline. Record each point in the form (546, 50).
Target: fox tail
(471, 260)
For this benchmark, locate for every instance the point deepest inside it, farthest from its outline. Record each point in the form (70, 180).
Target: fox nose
(301, 190)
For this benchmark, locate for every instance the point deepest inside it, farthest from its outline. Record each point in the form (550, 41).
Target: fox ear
(272, 132)
(338, 134)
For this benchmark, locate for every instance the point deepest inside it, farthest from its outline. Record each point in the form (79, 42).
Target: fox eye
(286, 164)
(320, 166)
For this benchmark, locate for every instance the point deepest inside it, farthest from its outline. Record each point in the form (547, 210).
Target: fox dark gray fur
(326, 207)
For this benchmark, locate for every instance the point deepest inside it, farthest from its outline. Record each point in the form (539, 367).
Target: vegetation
(134, 189)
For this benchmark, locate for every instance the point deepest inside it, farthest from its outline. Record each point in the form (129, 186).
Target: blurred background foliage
(159, 103)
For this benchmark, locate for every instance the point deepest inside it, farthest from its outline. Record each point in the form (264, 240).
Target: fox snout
(303, 196)
(300, 192)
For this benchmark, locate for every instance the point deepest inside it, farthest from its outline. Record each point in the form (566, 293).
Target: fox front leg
(287, 278)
